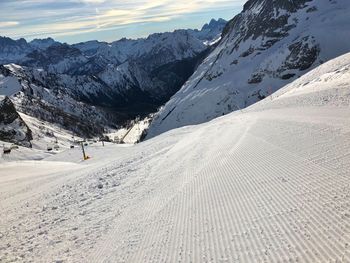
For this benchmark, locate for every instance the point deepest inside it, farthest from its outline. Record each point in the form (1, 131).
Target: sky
(74, 21)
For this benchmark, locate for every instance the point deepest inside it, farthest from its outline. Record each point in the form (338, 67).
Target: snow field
(247, 195)
(267, 184)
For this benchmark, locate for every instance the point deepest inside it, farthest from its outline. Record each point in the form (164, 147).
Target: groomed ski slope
(268, 184)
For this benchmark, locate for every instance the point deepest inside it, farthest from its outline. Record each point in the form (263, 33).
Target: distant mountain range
(89, 86)
(197, 75)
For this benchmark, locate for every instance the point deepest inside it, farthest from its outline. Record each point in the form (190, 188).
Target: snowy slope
(48, 134)
(133, 133)
(9, 85)
(49, 98)
(268, 45)
(268, 184)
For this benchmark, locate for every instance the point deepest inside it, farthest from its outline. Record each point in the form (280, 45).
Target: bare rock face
(12, 128)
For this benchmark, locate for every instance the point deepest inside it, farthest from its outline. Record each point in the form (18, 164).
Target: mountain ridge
(266, 46)
(111, 82)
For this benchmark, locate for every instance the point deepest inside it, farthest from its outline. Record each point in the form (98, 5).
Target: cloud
(91, 1)
(8, 24)
(43, 18)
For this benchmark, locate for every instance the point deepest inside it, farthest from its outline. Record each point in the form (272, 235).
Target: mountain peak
(42, 43)
(9, 41)
(214, 24)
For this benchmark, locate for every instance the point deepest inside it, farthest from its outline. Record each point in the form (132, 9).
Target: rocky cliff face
(266, 46)
(12, 128)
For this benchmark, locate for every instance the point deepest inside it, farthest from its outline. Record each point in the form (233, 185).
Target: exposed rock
(12, 128)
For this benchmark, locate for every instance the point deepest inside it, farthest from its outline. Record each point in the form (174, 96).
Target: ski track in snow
(198, 203)
(267, 184)
(228, 211)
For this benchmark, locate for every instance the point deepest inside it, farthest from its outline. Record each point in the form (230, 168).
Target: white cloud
(8, 24)
(92, 1)
(81, 16)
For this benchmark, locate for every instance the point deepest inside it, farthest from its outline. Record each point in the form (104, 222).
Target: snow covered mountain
(269, 44)
(125, 49)
(268, 184)
(100, 83)
(12, 127)
(47, 97)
